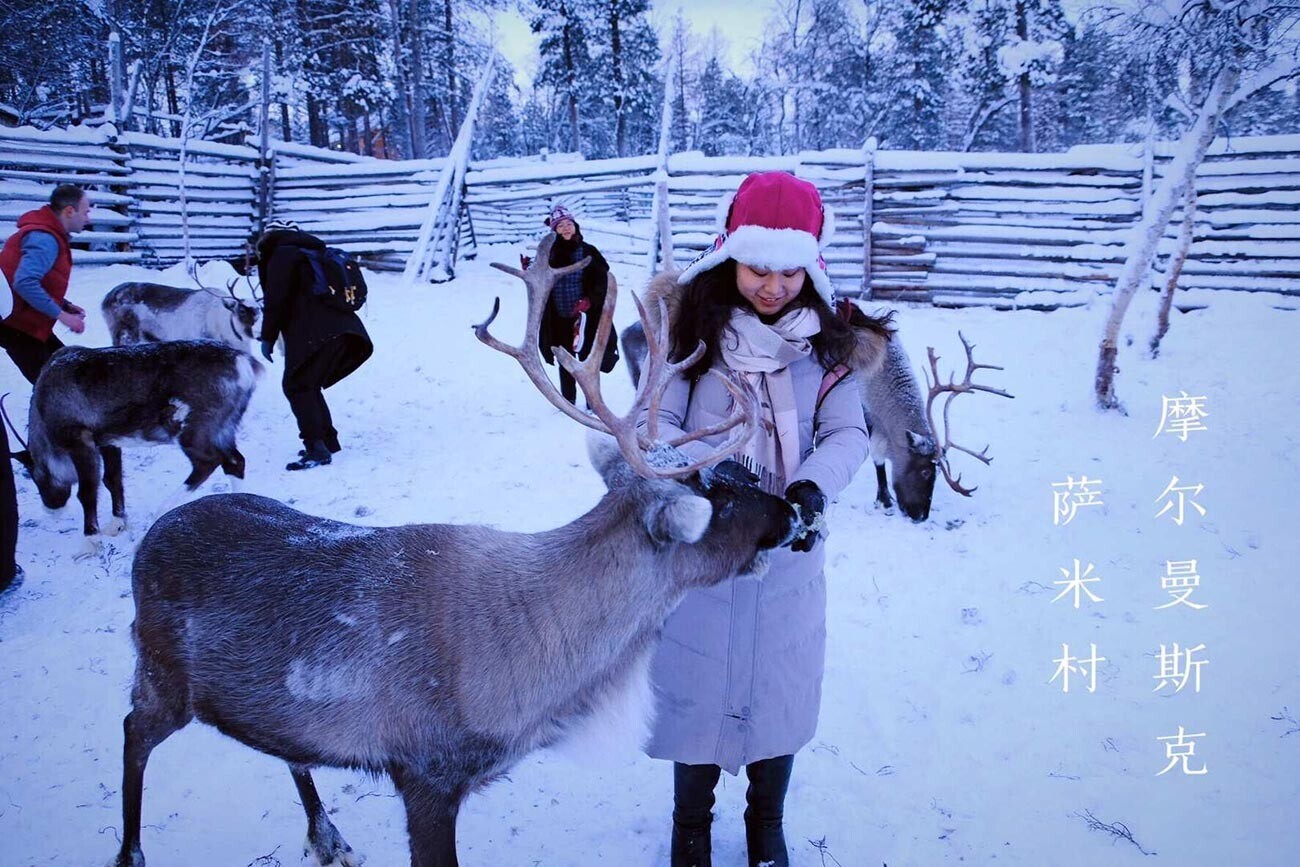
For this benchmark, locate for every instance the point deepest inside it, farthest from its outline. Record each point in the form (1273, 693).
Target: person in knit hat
(739, 670)
(572, 296)
(322, 343)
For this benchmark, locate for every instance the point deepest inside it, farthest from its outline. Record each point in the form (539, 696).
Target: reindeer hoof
(114, 526)
(330, 852)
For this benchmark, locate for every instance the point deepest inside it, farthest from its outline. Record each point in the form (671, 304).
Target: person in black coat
(573, 295)
(322, 343)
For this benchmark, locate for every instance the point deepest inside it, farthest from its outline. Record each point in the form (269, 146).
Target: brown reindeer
(438, 654)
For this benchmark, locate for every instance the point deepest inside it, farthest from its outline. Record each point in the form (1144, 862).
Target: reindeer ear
(682, 517)
(607, 460)
(230, 304)
(919, 444)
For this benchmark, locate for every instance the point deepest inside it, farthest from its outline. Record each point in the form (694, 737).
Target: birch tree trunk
(1146, 237)
(1174, 269)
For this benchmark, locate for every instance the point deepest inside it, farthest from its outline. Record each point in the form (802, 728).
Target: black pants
(303, 387)
(8, 513)
(27, 352)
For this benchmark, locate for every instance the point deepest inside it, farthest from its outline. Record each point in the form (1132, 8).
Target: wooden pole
(116, 78)
(868, 204)
(661, 236)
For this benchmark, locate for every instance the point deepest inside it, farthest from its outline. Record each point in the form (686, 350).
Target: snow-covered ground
(941, 739)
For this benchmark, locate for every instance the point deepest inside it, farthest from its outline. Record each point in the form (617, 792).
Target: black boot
(693, 814)
(764, 834)
(331, 443)
(316, 454)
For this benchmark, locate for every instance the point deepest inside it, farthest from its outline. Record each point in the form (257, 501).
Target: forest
(393, 78)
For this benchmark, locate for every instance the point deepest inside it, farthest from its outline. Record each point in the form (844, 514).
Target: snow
(940, 741)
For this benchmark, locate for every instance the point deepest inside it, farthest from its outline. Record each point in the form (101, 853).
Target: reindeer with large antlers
(437, 654)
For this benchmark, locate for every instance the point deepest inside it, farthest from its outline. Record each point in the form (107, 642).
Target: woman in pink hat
(739, 670)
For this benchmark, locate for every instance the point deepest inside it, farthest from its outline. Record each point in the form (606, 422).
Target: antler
(648, 456)
(953, 389)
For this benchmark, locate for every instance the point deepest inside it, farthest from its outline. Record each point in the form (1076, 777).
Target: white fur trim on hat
(763, 247)
(828, 227)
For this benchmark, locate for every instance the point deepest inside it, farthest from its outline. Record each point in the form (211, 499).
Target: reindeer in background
(150, 313)
(438, 654)
(903, 430)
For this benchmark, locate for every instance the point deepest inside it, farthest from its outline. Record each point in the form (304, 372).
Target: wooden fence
(947, 228)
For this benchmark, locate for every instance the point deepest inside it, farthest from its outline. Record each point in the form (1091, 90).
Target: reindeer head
(914, 480)
(716, 525)
(51, 469)
(244, 316)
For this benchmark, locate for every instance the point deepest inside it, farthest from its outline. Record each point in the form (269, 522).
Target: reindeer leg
(85, 458)
(157, 710)
(203, 460)
(430, 818)
(233, 466)
(112, 456)
(882, 488)
(324, 842)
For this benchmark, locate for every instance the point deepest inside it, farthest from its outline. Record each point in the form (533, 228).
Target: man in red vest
(37, 262)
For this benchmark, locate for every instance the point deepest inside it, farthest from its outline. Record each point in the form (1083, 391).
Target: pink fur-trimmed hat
(776, 221)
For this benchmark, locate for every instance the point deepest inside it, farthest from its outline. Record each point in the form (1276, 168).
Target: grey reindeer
(87, 402)
(902, 428)
(437, 654)
(151, 312)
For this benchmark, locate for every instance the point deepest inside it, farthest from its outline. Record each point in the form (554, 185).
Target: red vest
(24, 317)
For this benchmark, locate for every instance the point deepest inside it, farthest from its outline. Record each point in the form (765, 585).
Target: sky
(739, 21)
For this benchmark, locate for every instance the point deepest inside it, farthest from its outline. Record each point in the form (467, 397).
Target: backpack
(337, 280)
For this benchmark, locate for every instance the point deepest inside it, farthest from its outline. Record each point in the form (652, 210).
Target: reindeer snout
(786, 525)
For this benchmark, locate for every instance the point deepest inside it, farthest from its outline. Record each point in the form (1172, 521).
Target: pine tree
(497, 130)
(915, 77)
(566, 61)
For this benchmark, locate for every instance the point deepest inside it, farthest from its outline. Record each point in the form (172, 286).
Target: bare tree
(1238, 47)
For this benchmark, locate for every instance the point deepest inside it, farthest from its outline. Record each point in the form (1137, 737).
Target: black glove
(266, 350)
(810, 503)
(733, 473)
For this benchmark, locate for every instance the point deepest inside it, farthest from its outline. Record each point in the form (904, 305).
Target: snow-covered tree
(1225, 51)
(566, 66)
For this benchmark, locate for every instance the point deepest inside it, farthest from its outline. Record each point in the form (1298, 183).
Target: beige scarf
(762, 354)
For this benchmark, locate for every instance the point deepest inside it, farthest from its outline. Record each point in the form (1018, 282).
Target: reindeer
(150, 313)
(903, 432)
(87, 402)
(437, 654)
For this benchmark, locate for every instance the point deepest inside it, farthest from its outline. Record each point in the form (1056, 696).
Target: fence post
(661, 235)
(868, 203)
(447, 196)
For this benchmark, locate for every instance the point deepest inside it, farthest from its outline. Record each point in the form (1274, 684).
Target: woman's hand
(809, 504)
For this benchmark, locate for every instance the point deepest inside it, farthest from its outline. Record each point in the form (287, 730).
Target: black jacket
(557, 330)
(292, 311)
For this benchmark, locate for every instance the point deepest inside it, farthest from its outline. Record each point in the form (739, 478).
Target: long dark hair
(706, 306)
